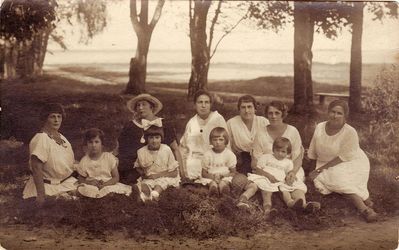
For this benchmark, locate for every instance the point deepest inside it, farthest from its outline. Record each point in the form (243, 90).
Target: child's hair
(239, 182)
(281, 142)
(219, 131)
(92, 133)
(153, 130)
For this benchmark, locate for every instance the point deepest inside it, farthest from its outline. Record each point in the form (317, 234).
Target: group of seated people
(246, 154)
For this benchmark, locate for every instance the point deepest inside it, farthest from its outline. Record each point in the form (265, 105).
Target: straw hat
(131, 104)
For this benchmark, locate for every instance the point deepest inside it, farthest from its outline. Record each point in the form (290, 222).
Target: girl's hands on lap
(272, 179)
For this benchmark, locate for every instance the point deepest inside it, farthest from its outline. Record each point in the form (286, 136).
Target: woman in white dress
(195, 140)
(342, 166)
(242, 130)
(276, 111)
(51, 158)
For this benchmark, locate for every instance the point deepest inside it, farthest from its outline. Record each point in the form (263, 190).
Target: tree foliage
(21, 19)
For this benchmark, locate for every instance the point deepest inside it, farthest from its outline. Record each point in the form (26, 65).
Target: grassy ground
(184, 211)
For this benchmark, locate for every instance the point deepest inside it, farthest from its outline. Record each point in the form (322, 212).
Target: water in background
(329, 66)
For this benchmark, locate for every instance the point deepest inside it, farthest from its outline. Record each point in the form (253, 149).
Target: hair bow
(146, 124)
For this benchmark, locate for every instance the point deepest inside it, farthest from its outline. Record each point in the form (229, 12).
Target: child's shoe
(312, 206)
(155, 195)
(269, 211)
(369, 203)
(225, 190)
(213, 190)
(369, 215)
(297, 205)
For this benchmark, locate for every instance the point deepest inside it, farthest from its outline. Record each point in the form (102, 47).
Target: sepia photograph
(199, 124)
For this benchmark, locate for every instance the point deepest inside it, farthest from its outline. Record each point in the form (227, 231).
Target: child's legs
(158, 189)
(298, 194)
(267, 198)
(213, 188)
(357, 201)
(287, 197)
(250, 190)
(224, 187)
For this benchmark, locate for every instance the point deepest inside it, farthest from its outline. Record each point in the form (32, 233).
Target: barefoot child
(98, 170)
(219, 163)
(270, 177)
(157, 164)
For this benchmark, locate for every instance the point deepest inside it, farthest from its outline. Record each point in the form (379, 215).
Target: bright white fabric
(57, 165)
(157, 161)
(348, 177)
(241, 138)
(100, 169)
(195, 141)
(263, 144)
(277, 168)
(218, 163)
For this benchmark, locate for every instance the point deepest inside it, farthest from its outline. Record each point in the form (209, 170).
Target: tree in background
(307, 17)
(202, 49)
(143, 29)
(27, 26)
(355, 18)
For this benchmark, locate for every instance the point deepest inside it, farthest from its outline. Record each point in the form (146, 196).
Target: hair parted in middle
(246, 98)
(219, 131)
(278, 105)
(282, 142)
(200, 93)
(153, 130)
(92, 133)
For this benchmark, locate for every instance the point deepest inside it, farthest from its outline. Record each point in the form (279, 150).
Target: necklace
(57, 138)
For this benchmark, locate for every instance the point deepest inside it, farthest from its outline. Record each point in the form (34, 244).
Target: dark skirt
(244, 163)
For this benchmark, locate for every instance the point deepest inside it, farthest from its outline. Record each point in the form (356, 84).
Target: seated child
(270, 174)
(157, 165)
(219, 163)
(98, 170)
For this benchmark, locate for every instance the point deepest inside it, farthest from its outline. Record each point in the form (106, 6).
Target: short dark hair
(246, 98)
(281, 142)
(202, 92)
(92, 133)
(278, 105)
(219, 131)
(49, 108)
(153, 130)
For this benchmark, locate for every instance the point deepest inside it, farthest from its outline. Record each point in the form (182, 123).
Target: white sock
(154, 195)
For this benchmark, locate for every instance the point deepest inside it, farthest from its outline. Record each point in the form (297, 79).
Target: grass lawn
(184, 211)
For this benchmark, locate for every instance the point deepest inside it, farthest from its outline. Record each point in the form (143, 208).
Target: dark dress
(129, 143)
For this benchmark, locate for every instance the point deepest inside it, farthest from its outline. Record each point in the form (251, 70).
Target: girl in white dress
(98, 170)
(219, 163)
(195, 140)
(51, 158)
(276, 111)
(157, 165)
(270, 175)
(341, 166)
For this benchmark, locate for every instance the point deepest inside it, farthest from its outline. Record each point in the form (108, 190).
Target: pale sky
(171, 32)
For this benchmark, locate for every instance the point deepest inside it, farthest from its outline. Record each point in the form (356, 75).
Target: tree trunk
(10, 59)
(303, 41)
(355, 84)
(199, 48)
(143, 29)
(138, 66)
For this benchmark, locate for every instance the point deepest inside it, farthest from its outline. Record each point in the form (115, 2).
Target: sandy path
(355, 235)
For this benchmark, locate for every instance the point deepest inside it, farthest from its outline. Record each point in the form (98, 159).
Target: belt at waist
(54, 182)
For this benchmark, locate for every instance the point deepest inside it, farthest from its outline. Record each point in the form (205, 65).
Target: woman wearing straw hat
(145, 108)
